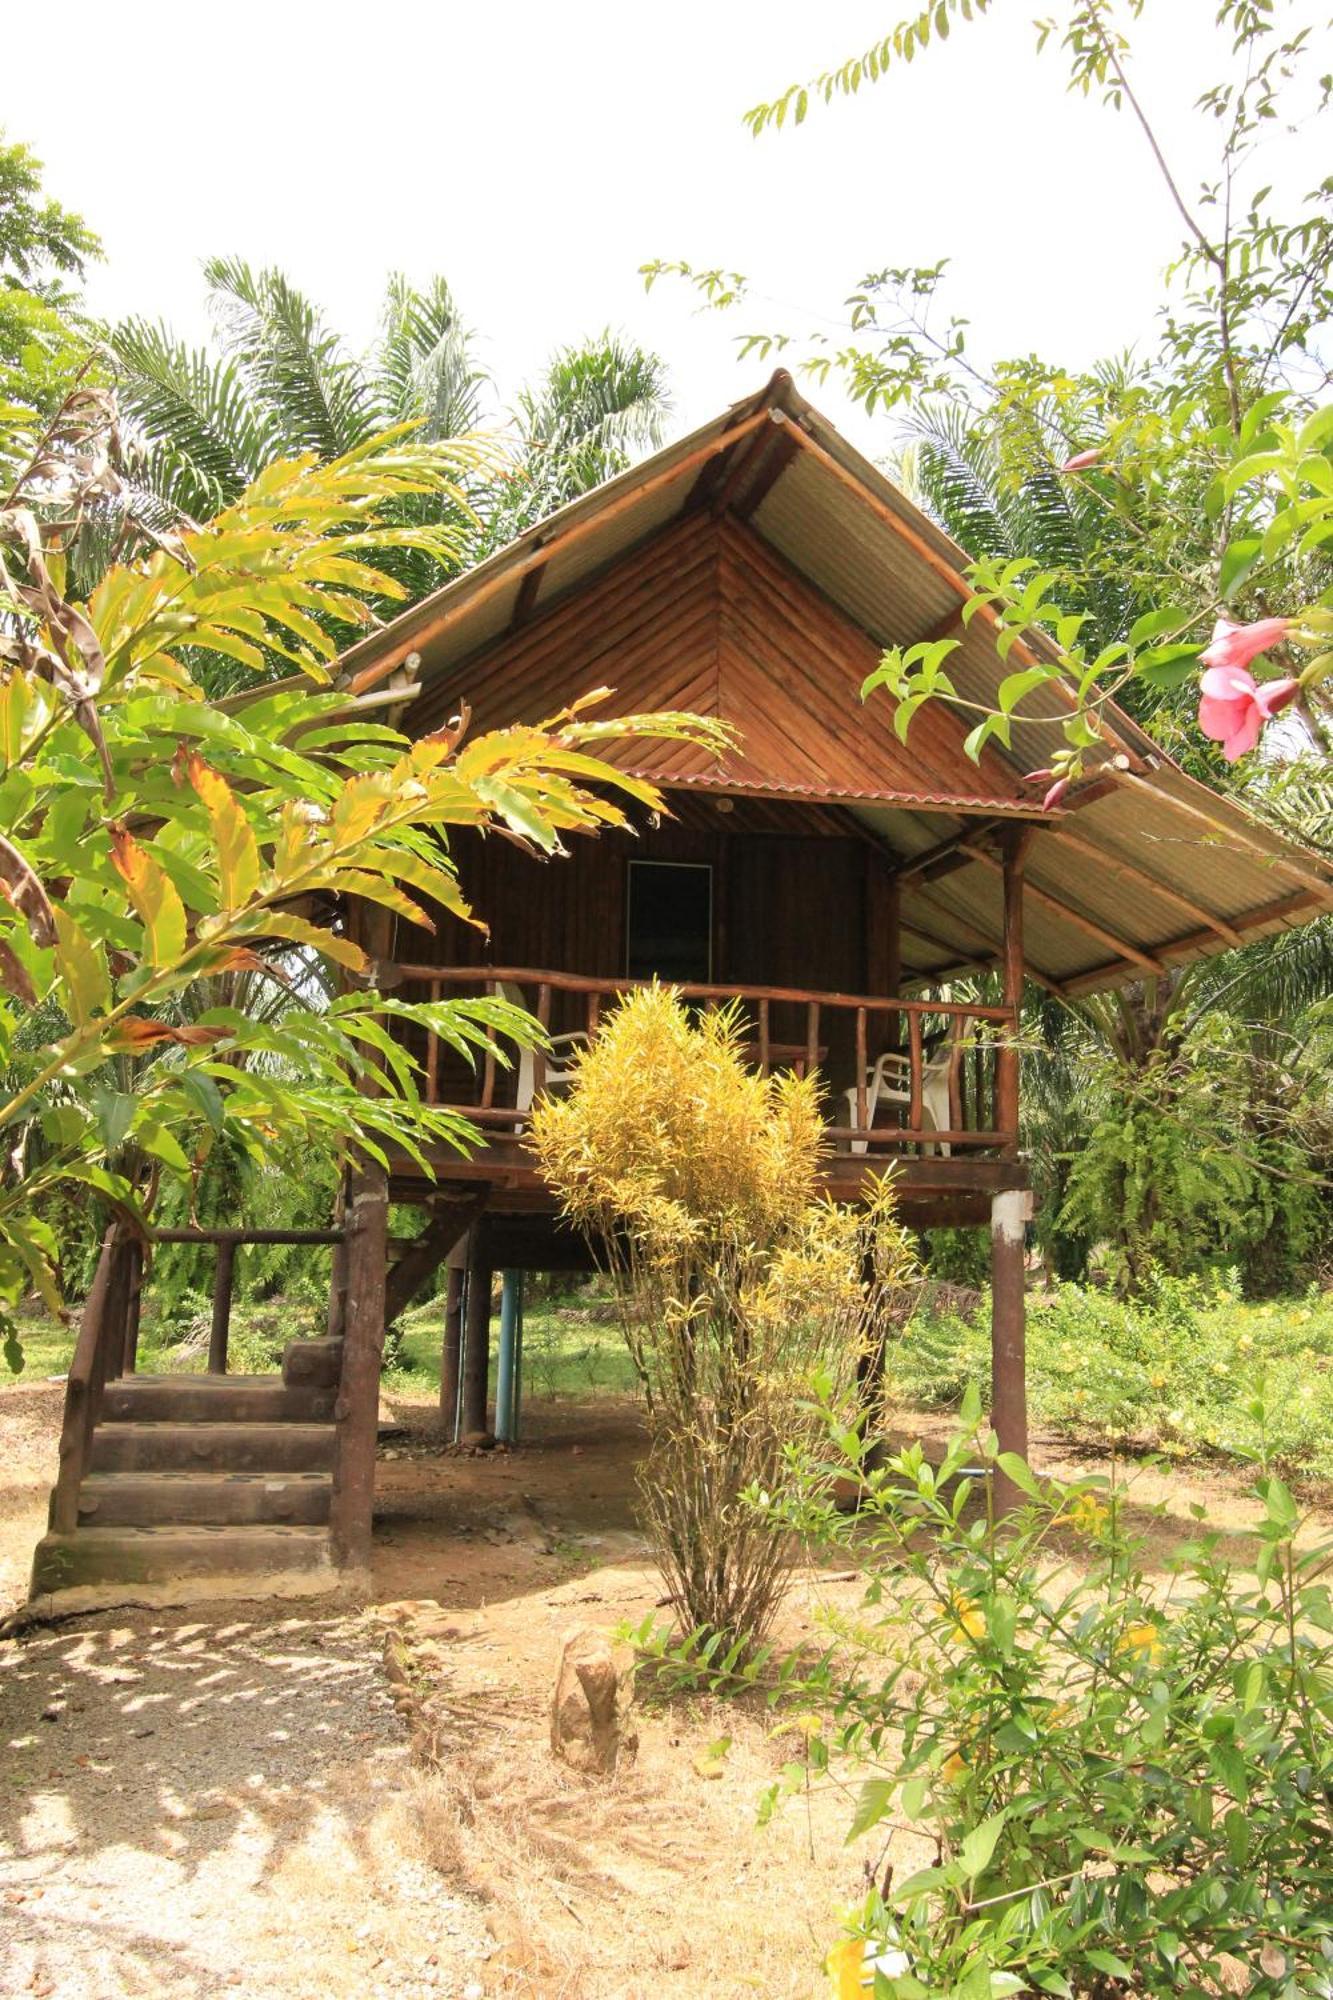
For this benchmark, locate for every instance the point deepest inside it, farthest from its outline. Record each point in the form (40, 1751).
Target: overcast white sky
(537, 154)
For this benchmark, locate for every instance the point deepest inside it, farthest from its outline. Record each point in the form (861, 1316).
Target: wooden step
(198, 1499)
(315, 1364)
(212, 1447)
(185, 1399)
(220, 1558)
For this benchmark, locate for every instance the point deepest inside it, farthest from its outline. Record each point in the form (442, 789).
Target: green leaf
(1167, 666)
(1317, 433)
(1154, 623)
(871, 1806)
(204, 1094)
(1018, 1470)
(83, 970)
(1106, 1961)
(974, 1856)
(1014, 686)
(1238, 559)
(114, 1111)
(163, 1145)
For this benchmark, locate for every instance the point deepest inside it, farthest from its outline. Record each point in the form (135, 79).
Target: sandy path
(196, 1809)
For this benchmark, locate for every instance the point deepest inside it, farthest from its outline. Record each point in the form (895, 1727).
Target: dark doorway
(670, 922)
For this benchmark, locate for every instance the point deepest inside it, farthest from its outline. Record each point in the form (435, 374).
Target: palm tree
(280, 380)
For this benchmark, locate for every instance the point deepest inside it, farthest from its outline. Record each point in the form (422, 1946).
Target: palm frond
(208, 436)
(425, 365)
(316, 395)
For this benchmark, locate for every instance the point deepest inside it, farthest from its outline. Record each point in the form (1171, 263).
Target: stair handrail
(103, 1325)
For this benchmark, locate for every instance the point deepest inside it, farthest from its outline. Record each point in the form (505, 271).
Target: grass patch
(1190, 1369)
(569, 1350)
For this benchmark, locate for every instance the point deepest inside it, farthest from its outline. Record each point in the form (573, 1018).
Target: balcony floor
(933, 1192)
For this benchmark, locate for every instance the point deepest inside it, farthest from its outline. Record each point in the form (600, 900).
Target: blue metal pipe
(506, 1378)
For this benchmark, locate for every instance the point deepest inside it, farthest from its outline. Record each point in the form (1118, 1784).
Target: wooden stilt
(476, 1345)
(1009, 1406)
(451, 1353)
(356, 1411)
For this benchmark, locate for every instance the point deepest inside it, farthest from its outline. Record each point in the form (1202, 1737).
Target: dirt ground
(228, 1803)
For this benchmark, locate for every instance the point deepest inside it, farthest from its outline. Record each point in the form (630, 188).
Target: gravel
(200, 1807)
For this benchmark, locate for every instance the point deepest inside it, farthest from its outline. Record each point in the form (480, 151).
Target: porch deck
(940, 1052)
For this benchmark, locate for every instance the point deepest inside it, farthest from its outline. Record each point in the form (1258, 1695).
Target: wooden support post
(476, 1345)
(1009, 1404)
(451, 1354)
(1013, 843)
(357, 1410)
(224, 1273)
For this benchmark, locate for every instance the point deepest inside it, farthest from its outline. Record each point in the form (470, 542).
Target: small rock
(590, 1713)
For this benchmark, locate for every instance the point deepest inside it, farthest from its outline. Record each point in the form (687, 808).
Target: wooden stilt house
(832, 878)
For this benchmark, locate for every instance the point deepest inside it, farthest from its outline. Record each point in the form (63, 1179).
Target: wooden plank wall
(787, 911)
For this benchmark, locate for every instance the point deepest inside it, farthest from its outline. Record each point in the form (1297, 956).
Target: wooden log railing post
(224, 1274)
(356, 1411)
(133, 1309)
(451, 1354)
(811, 1037)
(488, 1071)
(862, 1118)
(544, 1022)
(763, 1038)
(433, 1052)
(914, 1114)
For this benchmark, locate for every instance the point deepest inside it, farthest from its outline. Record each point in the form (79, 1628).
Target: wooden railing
(975, 1040)
(110, 1313)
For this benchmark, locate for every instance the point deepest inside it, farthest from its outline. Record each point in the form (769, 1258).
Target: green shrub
(1126, 1787)
(1186, 1366)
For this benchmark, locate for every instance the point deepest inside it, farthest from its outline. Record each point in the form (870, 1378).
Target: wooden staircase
(197, 1486)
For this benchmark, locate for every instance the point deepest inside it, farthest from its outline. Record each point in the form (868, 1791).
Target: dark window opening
(670, 922)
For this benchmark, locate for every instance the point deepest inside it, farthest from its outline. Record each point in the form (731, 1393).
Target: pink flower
(1056, 793)
(1236, 645)
(1233, 709)
(1082, 460)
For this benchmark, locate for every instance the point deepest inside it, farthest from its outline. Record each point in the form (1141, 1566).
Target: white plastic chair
(889, 1081)
(559, 1071)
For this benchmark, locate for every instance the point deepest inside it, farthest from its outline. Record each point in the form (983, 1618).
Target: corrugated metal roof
(1154, 869)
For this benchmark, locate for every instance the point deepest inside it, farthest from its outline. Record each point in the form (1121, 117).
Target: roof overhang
(1142, 869)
